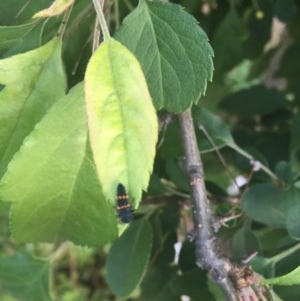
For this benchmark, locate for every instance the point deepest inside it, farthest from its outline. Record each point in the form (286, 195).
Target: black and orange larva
(125, 211)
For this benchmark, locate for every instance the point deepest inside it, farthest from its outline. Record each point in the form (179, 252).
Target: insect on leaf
(124, 209)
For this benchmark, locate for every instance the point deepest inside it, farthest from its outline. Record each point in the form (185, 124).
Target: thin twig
(64, 21)
(78, 19)
(211, 141)
(96, 36)
(97, 33)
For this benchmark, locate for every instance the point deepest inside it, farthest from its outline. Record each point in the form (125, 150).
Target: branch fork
(221, 269)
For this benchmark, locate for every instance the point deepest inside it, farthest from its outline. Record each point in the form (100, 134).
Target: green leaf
(285, 10)
(165, 256)
(52, 182)
(171, 147)
(25, 278)
(33, 83)
(176, 175)
(284, 170)
(155, 286)
(16, 11)
(292, 278)
(187, 256)
(266, 203)
(215, 290)
(255, 100)
(9, 35)
(293, 213)
(264, 266)
(244, 242)
(295, 142)
(164, 284)
(30, 40)
(227, 42)
(128, 258)
(121, 118)
(274, 296)
(155, 186)
(217, 131)
(173, 51)
(192, 284)
(214, 134)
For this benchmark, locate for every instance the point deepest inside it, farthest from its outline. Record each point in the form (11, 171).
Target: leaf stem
(96, 36)
(253, 160)
(64, 21)
(285, 253)
(76, 22)
(101, 19)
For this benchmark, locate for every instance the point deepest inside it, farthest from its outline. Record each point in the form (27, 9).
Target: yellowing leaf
(56, 8)
(121, 118)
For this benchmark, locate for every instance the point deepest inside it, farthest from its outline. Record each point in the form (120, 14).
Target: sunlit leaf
(56, 8)
(121, 118)
(52, 182)
(29, 91)
(173, 51)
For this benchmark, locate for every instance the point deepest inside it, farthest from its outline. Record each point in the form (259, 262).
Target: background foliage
(250, 114)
